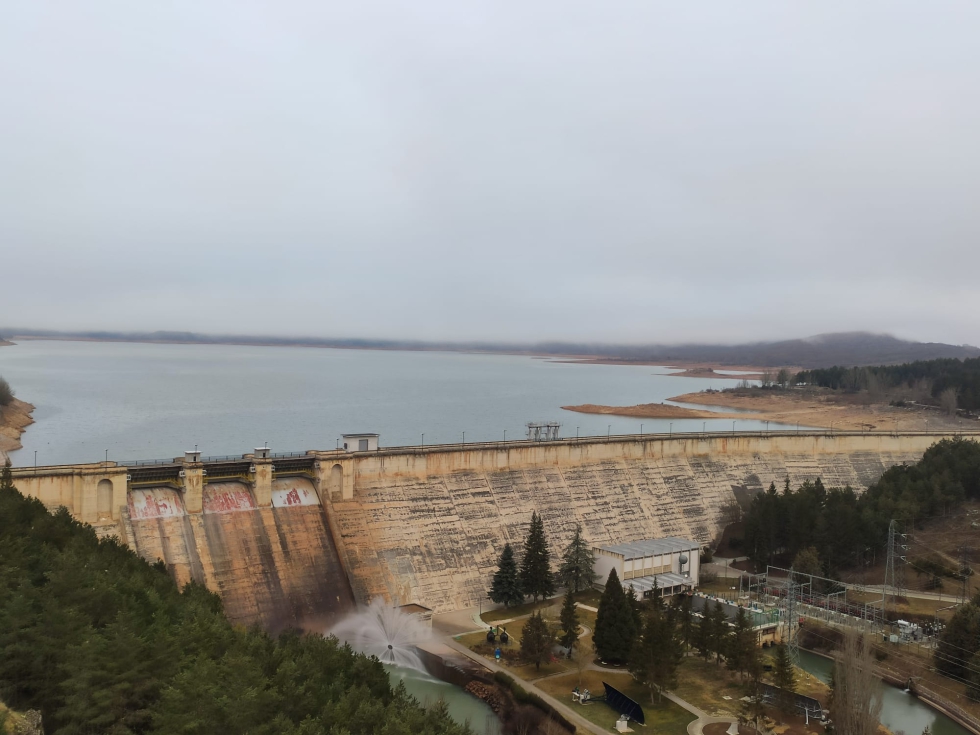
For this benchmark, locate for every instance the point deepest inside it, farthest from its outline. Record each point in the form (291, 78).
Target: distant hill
(825, 350)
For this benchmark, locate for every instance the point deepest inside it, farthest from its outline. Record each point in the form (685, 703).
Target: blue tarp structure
(623, 704)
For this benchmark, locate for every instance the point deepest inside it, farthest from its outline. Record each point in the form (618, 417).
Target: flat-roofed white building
(361, 442)
(671, 564)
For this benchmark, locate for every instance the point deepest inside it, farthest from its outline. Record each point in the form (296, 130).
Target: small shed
(361, 442)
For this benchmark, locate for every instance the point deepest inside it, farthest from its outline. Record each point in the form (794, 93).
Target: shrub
(6, 393)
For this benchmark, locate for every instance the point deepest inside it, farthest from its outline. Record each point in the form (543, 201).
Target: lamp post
(464, 437)
(576, 432)
(733, 427)
(670, 431)
(35, 461)
(505, 434)
(608, 430)
(641, 429)
(423, 439)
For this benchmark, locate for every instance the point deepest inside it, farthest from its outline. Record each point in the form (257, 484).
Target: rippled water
(145, 401)
(900, 710)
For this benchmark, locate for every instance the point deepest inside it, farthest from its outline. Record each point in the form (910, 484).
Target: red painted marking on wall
(154, 503)
(293, 491)
(227, 497)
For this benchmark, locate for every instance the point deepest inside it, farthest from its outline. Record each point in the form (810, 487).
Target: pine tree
(536, 579)
(686, 618)
(635, 608)
(577, 570)
(615, 628)
(783, 674)
(536, 640)
(6, 477)
(506, 586)
(719, 631)
(742, 649)
(569, 622)
(704, 635)
(657, 653)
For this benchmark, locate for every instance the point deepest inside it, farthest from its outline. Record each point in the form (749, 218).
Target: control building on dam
(293, 539)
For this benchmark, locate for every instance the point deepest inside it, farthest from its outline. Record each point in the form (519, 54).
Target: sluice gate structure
(298, 538)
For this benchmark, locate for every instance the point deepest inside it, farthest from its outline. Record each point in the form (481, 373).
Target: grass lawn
(705, 685)
(666, 718)
(588, 597)
(510, 659)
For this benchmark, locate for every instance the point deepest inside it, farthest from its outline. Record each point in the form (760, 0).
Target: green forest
(846, 528)
(938, 376)
(100, 641)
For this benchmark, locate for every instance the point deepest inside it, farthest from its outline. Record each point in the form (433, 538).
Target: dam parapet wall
(288, 537)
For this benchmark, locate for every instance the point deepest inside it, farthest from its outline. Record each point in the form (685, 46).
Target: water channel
(463, 707)
(900, 711)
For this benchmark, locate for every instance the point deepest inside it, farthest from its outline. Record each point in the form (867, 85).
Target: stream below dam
(900, 711)
(462, 706)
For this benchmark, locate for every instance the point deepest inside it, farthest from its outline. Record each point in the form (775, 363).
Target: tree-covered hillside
(961, 377)
(102, 642)
(843, 526)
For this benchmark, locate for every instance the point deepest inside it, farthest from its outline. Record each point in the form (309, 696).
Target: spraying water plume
(386, 632)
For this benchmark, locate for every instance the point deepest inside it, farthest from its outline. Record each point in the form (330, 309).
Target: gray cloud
(631, 171)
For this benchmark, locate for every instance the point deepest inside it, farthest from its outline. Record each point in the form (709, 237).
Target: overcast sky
(616, 171)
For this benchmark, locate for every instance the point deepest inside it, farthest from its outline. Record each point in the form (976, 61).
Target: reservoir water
(148, 401)
(900, 711)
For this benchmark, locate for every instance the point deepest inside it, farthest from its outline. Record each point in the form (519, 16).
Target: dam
(298, 538)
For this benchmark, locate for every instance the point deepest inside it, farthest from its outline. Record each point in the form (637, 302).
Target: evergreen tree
(704, 635)
(783, 675)
(686, 621)
(569, 622)
(615, 628)
(635, 608)
(742, 650)
(577, 570)
(536, 640)
(536, 579)
(657, 653)
(506, 587)
(6, 477)
(719, 631)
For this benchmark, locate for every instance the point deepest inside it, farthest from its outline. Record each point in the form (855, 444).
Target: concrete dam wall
(285, 540)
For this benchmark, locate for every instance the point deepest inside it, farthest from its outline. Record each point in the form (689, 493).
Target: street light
(576, 432)
(608, 430)
(423, 439)
(733, 427)
(641, 429)
(505, 434)
(670, 431)
(464, 437)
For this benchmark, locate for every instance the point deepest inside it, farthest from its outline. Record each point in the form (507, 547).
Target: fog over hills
(824, 350)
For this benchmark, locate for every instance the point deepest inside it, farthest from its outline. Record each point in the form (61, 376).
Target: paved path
(696, 727)
(565, 710)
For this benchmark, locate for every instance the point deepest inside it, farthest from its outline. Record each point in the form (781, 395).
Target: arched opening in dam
(336, 482)
(103, 502)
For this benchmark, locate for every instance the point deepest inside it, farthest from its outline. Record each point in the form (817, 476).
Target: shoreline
(685, 369)
(14, 420)
(651, 411)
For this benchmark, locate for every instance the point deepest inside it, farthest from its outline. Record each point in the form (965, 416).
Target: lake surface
(900, 711)
(149, 401)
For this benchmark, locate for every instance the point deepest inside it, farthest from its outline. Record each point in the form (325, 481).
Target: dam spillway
(288, 539)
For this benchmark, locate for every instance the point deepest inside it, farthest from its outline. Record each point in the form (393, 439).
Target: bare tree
(581, 659)
(731, 511)
(948, 401)
(857, 698)
(783, 378)
(6, 393)
(767, 378)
